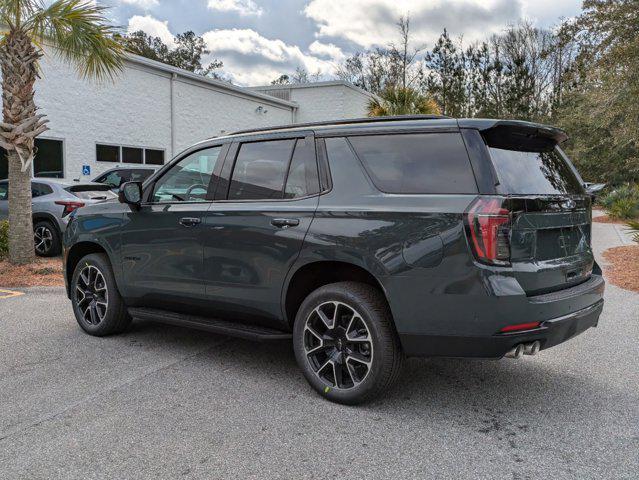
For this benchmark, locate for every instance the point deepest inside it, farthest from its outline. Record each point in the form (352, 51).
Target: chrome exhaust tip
(516, 352)
(532, 348)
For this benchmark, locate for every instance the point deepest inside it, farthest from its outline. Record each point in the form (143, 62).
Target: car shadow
(491, 388)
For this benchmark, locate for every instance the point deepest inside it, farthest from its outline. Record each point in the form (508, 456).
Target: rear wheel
(97, 304)
(46, 239)
(345, 342)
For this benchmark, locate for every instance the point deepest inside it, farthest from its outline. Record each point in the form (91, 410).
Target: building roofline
(329, 83)
(147, 62)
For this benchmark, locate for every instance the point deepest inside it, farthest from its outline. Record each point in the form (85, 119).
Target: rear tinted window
(260, 169)
(40, 189)
(417, 163)
(534, 173)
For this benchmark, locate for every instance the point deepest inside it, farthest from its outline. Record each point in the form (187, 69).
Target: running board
(214, 325)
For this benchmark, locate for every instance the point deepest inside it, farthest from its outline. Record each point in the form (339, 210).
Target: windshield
(534, 173)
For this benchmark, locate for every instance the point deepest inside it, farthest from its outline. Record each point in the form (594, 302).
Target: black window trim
(149, 188)
(410, 132)
(323, 167)
(222, 197)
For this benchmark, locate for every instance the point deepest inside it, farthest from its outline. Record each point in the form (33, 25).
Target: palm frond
(401, 101)
(14, 12)
(81, 34)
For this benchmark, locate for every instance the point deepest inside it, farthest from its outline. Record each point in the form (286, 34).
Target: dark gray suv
(362, 241)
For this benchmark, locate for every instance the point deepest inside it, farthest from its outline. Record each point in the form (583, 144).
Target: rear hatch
(550, 212)
(92, 192)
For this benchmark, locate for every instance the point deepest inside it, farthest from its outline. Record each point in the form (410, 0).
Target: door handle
(285, 222)
(190, 221)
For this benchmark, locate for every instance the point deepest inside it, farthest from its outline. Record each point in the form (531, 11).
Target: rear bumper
(551, 332)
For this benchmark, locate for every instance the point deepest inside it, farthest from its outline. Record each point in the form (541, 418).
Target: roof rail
(345, 121)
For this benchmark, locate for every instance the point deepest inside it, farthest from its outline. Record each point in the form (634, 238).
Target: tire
(364, 332)
(97, 304)
(46, 239)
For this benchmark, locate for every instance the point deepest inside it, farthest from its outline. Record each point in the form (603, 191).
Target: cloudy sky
(260, 39)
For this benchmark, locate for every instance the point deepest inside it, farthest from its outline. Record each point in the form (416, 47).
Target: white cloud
(370, 23)
(251, 59)
(243, 7)
(142, 3)
(326, 50)
(153, 27)
(548, 12)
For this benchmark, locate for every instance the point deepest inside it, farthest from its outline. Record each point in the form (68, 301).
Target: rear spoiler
(518, 135)
(89, 187)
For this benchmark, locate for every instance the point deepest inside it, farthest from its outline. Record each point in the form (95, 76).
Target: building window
(107, 153)
(154, 157)
(4, 164)
(132, 155)
(139, 155)
(48, 161)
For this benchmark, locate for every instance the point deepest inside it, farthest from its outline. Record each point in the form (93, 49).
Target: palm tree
(401, 101)
(75, 30)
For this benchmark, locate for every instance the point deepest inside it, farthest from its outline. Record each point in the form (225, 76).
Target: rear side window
(40, 189)
(417, 163)
(260, 170)
(114, 178)
(534, 173)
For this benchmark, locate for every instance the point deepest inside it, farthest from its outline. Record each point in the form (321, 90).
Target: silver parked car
(53, 201)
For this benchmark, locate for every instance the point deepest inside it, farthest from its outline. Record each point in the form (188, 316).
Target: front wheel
(97, 304)
(345, 342)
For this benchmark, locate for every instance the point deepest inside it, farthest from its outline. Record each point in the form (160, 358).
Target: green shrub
(4, 239)
(622, 202)
(634, 229)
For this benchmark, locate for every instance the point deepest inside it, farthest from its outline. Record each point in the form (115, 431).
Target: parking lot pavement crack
(125, 382)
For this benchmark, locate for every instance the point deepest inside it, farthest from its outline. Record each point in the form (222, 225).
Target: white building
(152, 111)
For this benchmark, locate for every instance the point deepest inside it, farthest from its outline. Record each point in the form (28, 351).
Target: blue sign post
(86, 169)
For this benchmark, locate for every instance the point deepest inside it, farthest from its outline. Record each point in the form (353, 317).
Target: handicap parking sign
(86, 169)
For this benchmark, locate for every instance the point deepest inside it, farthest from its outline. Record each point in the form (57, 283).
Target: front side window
(4, 191)
(189, 179)
(260, 170)
(417, 163)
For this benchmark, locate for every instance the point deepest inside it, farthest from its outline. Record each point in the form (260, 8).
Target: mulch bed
(44, 272)
(623, 270)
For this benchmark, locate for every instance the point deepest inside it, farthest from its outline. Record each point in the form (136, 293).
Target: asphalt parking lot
(166, 402)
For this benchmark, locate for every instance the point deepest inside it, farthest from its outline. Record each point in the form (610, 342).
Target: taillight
(488, 225)
(69, 206)
(520, 327)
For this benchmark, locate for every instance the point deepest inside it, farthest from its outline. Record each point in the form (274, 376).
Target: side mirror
(131, 193)
(593, 189)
